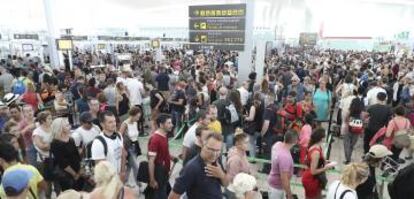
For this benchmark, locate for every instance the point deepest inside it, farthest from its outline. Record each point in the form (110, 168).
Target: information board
(217, 27)
(26, 36)
(64, 44)
(308, 39)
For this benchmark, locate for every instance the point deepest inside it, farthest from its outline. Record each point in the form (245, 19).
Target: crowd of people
(79, 133)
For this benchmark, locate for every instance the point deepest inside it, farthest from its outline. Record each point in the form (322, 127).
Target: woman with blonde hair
(237, 160)
(108, 183)
(67, 172)
(353, 175)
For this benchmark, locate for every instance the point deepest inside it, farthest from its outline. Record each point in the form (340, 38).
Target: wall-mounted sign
(308, 39)
(64, 44)
(217, 27)
(101, 46)
(26, 36)
(155, 43)
(108, 38)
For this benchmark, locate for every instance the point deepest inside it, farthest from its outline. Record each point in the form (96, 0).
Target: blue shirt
(163, 82)
(194, 181)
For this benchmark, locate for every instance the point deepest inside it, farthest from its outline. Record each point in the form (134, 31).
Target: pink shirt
(397, 124)
(237, 163)
(281, 162)
(305, 134)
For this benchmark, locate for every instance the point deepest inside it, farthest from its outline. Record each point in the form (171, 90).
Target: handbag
(401, 139)
(250, 127)
(323, 180)
(143, 172)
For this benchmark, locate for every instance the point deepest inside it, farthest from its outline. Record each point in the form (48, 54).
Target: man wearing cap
(14, 181)
(86, 132)
(375, 156)
(16, 184)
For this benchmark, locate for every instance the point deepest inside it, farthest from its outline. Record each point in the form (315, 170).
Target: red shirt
(158, 146)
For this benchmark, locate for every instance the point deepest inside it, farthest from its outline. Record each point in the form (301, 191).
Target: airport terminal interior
(207, 99)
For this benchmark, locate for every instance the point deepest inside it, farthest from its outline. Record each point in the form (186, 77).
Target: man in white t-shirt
(190, 136)
(136, 90)
(114, 150)
(86, 132)
(373, 92)
(244, 93)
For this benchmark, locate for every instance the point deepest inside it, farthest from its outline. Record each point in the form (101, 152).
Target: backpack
(356, 125)
(401, 186)
(230, 114)
(88, 148)
(19, 87)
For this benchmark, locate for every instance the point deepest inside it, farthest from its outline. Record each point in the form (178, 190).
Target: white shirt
(244, 95)
(190, 136)
(114, 154)
(341, 188)
(136, 89)
(132, 130)
(81, 135)
(45, 137)
(372, 95)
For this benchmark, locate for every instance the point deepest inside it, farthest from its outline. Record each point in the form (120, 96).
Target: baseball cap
(15, 181)
(242, 183)
(379, 151)
(85, 117)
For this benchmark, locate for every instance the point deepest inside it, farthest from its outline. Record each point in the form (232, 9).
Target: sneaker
(409, 158)
(346, 162)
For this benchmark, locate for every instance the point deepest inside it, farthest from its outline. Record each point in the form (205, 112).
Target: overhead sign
(226, 10)
(64, 44)
(217, 27)
(75, 37)
(217, 24)
(308, 39)
(26, 36)
(234, 47)
(217, 37)
(116, 38)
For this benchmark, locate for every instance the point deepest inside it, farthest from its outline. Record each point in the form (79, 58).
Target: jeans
(229, 138)
(176, 118)
(31, 154)
(252, 142)
(350, 139)
(276, 193)
(132, 164)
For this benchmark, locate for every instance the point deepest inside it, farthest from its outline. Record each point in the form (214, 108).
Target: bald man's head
(223, 91)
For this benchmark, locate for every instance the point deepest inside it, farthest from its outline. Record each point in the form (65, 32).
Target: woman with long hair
(129, 130)
(352, 175)
(352, 133)
(108, 184)
(42, 137)
(65, 153)
(314, 178)
(253, 123)
(122, 101)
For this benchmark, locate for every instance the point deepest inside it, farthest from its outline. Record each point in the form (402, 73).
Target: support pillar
(245, 57)
(53, 32)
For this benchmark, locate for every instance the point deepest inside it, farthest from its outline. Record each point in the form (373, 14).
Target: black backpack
(402, 185)
(88, 147)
